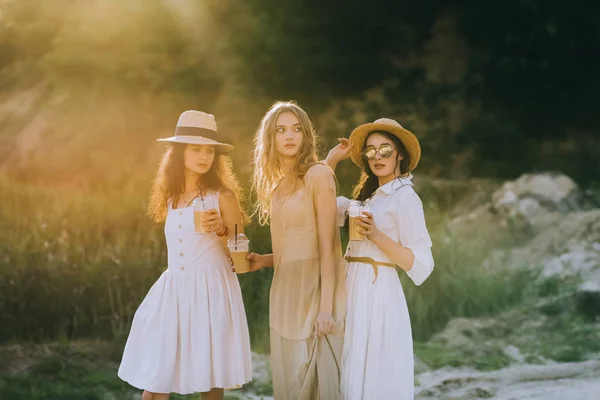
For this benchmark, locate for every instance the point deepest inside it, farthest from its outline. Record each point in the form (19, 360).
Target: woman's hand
(323, 324)
(367, 223)
(338, 153)
(257, 261)
(212, 221)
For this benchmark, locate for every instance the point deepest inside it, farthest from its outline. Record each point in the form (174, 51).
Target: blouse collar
(393, 186)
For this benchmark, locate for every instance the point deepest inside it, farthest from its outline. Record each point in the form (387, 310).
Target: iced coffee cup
(239, 246)
(202, 206)
(354, 211)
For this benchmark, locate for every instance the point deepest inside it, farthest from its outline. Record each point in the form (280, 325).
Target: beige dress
(303, 367)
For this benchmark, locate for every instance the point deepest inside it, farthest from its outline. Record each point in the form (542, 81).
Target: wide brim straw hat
(408, 139)
(197, 127)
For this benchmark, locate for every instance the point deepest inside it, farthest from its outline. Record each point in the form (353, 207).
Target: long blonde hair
(268, 171)
(169, 182)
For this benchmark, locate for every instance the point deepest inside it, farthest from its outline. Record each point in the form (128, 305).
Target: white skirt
(189, 334)
(378, 361)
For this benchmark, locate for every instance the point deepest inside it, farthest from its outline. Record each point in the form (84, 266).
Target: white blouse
(398, 212)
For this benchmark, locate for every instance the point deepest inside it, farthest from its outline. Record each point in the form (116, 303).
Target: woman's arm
(326, 208)
(400, 255)
(414, 255)
(259, 261)
(322, 186)
(338, 153)
(231, 215)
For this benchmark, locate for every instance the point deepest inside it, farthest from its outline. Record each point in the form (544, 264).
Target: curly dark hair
(169, 182)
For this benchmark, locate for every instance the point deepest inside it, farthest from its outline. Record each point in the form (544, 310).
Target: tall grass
(77, 264)
(72, 263)
(461, 286)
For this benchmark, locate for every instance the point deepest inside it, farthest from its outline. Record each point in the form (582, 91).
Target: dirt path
(560, 381)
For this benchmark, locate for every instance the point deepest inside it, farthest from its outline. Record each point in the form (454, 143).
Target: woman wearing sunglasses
(377, 362)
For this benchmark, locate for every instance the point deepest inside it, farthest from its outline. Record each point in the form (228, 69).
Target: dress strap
(192, 200)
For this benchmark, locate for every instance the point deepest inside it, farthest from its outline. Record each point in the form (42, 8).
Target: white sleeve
(414, 235)
(342, 206)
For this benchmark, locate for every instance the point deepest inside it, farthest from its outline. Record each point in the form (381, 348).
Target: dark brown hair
(368, 182)
(169, 182)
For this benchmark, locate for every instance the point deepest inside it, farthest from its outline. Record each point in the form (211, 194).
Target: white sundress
(378, 361)
(190, 333)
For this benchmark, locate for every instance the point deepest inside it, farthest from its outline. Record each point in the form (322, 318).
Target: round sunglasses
(385, 151)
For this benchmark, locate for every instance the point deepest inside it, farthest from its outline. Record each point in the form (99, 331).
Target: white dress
(190, 333)
(378, 358)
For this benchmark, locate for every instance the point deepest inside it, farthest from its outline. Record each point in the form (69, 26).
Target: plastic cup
(202, 206)
(239, 247)
(355, 210)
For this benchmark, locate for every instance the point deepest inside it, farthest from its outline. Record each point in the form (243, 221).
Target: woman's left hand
(367, 222)
(323, 324)
(339, 152)
(212, 221)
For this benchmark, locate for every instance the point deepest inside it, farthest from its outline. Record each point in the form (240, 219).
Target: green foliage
(485, 102)
(562, 337)
(61, 375)
(461, 286)
(438, 356)
(73, 265)
(77, 371)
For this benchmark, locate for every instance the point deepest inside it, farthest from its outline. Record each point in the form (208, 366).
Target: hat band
(194, 131)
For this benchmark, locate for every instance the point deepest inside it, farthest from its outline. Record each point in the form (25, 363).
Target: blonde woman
(297, 196)
(190, 332)
(378, 352)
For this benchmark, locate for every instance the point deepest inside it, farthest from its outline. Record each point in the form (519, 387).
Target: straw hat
(197, 127)
(410, 141)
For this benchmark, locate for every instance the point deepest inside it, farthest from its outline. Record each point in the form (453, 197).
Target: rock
(519, 209)
(527, 335)
(573, 262)
(420, 366)
(535, 382)
(514, 353)
(538, 199)
(569, 249)
(470, 333)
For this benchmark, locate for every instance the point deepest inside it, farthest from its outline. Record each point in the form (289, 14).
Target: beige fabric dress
(303, 367)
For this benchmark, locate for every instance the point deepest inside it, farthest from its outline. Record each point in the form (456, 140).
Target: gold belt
(373, 263)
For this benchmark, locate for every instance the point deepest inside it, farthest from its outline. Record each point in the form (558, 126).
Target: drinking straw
(235, 240)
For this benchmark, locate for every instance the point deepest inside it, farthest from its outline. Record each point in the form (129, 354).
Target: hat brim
(222, 147)
(408, 139)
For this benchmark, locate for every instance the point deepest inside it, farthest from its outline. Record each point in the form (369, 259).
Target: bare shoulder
(320, 179)
(228, 199)
(319, 171)
(228, 194)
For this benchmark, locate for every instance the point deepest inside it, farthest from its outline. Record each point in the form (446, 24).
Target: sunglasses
(385, 151)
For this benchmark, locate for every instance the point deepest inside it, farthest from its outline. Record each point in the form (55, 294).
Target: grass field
(76, 264)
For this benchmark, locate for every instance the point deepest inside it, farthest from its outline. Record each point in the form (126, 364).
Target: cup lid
(354, 204)
(241, 239)
(207, 201)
